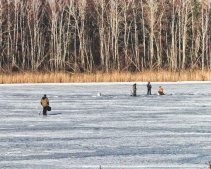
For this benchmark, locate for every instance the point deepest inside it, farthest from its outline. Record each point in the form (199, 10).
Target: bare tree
(104, 35)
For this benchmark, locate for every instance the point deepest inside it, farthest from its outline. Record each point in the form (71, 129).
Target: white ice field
(114, 130)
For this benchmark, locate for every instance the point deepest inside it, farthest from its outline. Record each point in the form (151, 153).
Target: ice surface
(114, 130)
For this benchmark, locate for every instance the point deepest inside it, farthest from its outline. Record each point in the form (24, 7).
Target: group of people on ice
(45, 101)
(149, 88)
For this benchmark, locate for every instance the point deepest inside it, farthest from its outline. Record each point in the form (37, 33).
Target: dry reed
(62, 77)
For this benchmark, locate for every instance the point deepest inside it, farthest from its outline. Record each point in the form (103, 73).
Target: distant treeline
(104, 35)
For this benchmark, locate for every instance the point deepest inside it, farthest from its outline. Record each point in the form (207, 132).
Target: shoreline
(100, 77)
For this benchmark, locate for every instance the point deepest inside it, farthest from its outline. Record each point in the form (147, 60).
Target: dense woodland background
(104, 35)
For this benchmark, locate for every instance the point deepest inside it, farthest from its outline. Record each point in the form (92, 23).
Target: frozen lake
(114, 130)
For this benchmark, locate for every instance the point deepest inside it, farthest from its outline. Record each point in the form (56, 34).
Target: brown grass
(61, 77)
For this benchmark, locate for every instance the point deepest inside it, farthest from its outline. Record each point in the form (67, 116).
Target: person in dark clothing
(134, 90)
(149, 87)
(45, 103)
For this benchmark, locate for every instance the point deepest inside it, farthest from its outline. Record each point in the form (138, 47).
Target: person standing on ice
(45, 104)
(149, 87)
(134, 90)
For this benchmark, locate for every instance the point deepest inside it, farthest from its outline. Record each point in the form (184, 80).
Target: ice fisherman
(161, 91)
(45, 104)
(134, 90)
(149, 87)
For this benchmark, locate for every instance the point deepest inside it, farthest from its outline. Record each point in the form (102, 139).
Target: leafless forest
(105, 35)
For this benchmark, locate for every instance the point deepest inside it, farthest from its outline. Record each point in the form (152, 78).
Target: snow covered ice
(113, 129)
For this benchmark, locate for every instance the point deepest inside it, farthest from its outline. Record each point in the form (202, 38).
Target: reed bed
(63, 77)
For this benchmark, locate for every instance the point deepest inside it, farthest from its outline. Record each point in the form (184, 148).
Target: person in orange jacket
(160, 91)
(45, 104)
